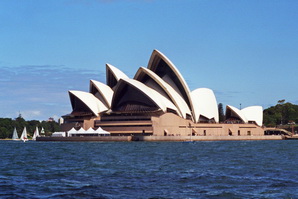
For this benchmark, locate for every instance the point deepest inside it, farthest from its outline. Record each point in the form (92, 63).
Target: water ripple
(248, 169)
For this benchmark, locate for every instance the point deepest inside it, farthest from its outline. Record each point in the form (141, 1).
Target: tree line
(7, 125)
(283, 113)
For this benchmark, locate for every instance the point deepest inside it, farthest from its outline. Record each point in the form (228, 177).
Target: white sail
(42, 132)
(24, 135)
(36, 134)
(15, 134)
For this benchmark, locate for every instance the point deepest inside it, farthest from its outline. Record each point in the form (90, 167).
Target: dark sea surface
(220, 169)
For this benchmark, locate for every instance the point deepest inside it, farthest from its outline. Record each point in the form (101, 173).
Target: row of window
(116, 126)
(248, 133)
(205, 133)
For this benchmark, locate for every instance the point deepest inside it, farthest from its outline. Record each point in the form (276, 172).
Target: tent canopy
(90, 131)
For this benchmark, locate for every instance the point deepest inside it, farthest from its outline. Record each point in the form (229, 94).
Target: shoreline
(157, 138)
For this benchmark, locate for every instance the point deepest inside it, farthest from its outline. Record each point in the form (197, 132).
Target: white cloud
(90, 2)
(40, 92)
(30, 113)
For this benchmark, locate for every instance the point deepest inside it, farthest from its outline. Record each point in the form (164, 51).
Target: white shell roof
(94, 104)
(105, 91)
(162, 102)
(174, 96)
(165, 88)
(170, 64)
(251, 113)
(205, 104)
(118, 74)
(238, 112)
(185, 92)
(254, 113)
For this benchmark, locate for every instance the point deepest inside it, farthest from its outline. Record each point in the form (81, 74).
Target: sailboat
(15, 134)
(24, 137)
(42, 132)
(36, 134)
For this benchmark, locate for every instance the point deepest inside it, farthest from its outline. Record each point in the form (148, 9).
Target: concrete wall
(203, 138)
(173, 125)
(157, 138)
(169, 123)
(88, 123)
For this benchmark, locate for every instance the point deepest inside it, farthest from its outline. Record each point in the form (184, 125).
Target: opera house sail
(156, 102)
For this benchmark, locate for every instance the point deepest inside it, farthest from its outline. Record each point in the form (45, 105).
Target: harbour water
(220, 169)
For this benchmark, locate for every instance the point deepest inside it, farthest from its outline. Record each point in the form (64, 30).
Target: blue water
(240, 169)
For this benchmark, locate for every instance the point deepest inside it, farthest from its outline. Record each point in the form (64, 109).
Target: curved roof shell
(133, 96)
(159, 87)
(254, 113)
(166, 70)
(153, 81)
(205, 104)
(113, 75)
(102, 91)
(235, 112)
(248, 114)
(86, 102)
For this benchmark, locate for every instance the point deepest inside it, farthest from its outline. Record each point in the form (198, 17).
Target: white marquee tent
(90, 132)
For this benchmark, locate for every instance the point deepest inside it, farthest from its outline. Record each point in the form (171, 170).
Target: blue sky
(245, 51)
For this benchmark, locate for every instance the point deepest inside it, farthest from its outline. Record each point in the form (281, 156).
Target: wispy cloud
(31, 113)
(39, 92)
(91, 2)
(227, 94)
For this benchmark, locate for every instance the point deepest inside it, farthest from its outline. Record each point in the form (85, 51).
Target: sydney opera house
(156, 102)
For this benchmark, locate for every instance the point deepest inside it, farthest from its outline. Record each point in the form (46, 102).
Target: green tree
(4, 133)
(7, 125)
(281, 101)
(221, 113)
(282, 113)
(6, 128)
(50, 127)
